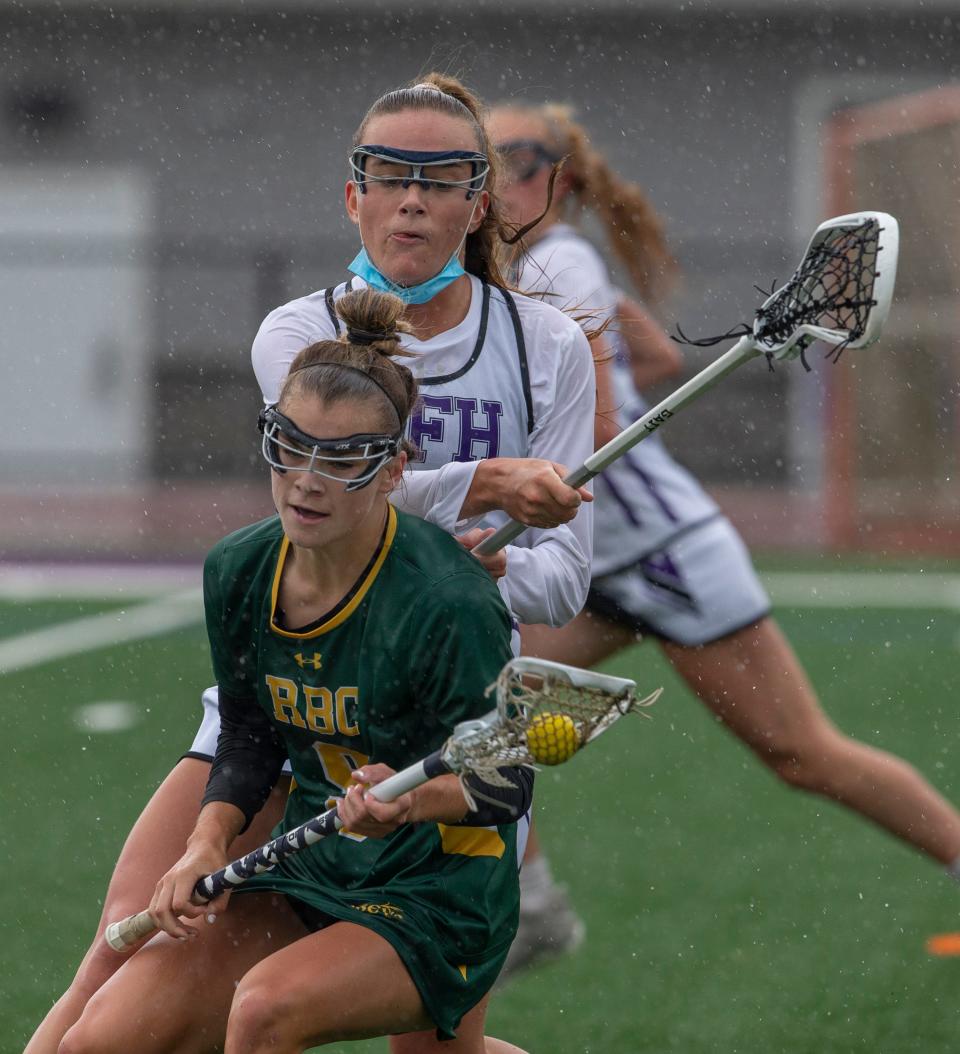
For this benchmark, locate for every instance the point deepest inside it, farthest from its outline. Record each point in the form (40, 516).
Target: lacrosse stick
(545, 713)
(839, 294)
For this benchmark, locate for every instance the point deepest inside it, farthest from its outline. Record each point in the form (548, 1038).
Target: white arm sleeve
(548, 572)
(282, 335)
(436, 495)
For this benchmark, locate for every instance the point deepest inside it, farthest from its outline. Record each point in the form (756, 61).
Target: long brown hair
(633, 228)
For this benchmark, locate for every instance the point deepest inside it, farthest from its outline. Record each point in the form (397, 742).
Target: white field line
(864, 589)
(94, 581)
(64, 639)
(796, 589)
(176, 610)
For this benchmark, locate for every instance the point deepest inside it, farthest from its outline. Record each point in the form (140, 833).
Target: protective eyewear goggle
(523, 158)
(353, 460)
(430, 169)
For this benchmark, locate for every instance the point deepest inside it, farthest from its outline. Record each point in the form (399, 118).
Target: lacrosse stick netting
(840, 293)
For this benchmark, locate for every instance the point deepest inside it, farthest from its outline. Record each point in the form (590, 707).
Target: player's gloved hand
(172, 899)
(529, 490)
(361, 813)
(495, 563)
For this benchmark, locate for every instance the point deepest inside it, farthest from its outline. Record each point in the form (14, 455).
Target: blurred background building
(169, 172)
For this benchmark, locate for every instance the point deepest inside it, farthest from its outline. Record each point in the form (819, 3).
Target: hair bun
(372, 318)
(370, 336)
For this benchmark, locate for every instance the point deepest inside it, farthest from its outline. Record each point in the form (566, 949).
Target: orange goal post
(892, 477)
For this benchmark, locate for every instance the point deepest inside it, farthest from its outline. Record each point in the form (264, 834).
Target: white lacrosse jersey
(645, 498)
(513, 379)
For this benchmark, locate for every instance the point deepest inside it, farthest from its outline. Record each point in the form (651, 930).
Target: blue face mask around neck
(362, 267)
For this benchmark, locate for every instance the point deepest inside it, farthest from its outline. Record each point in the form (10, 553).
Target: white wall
(74, 325)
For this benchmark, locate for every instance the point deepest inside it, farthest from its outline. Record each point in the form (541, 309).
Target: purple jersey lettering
(487, 435)
(425, 425)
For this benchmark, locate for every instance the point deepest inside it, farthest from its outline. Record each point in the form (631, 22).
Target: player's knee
(103, 1028)
(805, 766)
(86, 1038)
(262, 1017)
(790, 771)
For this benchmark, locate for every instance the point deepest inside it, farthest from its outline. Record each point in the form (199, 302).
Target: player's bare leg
(154, 844)
(754, 683)
(344, 983)
(173, 995)
(257, 982)
(585, 641)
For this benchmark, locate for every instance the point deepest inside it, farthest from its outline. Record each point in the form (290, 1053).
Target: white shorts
(699, 587)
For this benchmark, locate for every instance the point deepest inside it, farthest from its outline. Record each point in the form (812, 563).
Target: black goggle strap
(419, 160)
(375, 448)
(541, 156)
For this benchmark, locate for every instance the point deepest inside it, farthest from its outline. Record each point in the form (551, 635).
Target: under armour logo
(303, 661)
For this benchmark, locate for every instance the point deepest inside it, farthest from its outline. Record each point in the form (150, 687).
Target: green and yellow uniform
(383, 677)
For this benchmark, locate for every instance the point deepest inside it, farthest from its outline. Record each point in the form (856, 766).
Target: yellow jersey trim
(471, 841)
(348, 609)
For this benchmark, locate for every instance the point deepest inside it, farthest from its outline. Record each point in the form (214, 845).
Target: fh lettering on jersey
(469, 429)
(655, 422)
(319, 709)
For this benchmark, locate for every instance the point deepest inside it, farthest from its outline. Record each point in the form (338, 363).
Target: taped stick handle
(744, 350)
(121, 935)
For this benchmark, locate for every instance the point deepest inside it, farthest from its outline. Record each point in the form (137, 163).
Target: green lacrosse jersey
(383, 677)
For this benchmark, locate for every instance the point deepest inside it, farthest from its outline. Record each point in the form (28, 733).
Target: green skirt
(451, 980)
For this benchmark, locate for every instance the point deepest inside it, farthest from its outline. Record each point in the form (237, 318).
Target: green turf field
(725, 913)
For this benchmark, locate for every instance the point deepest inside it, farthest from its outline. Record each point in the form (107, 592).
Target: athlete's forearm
(442, 800)
(217, 825)
(528, 489)
(438, 801)
(653, 356)
(605, 426)
(486, 489)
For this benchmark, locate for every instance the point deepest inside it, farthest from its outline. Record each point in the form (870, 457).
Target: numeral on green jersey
(337, 763)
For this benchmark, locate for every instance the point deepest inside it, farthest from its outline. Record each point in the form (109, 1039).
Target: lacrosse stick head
(841, 291)
(546, 712)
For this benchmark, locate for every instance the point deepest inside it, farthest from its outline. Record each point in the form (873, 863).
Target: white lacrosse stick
(546, 712)
(839, 294)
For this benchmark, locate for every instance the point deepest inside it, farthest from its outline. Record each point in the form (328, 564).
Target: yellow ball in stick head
(552, 738)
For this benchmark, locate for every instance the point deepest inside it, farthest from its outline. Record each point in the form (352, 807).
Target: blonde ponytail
(633, 228)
